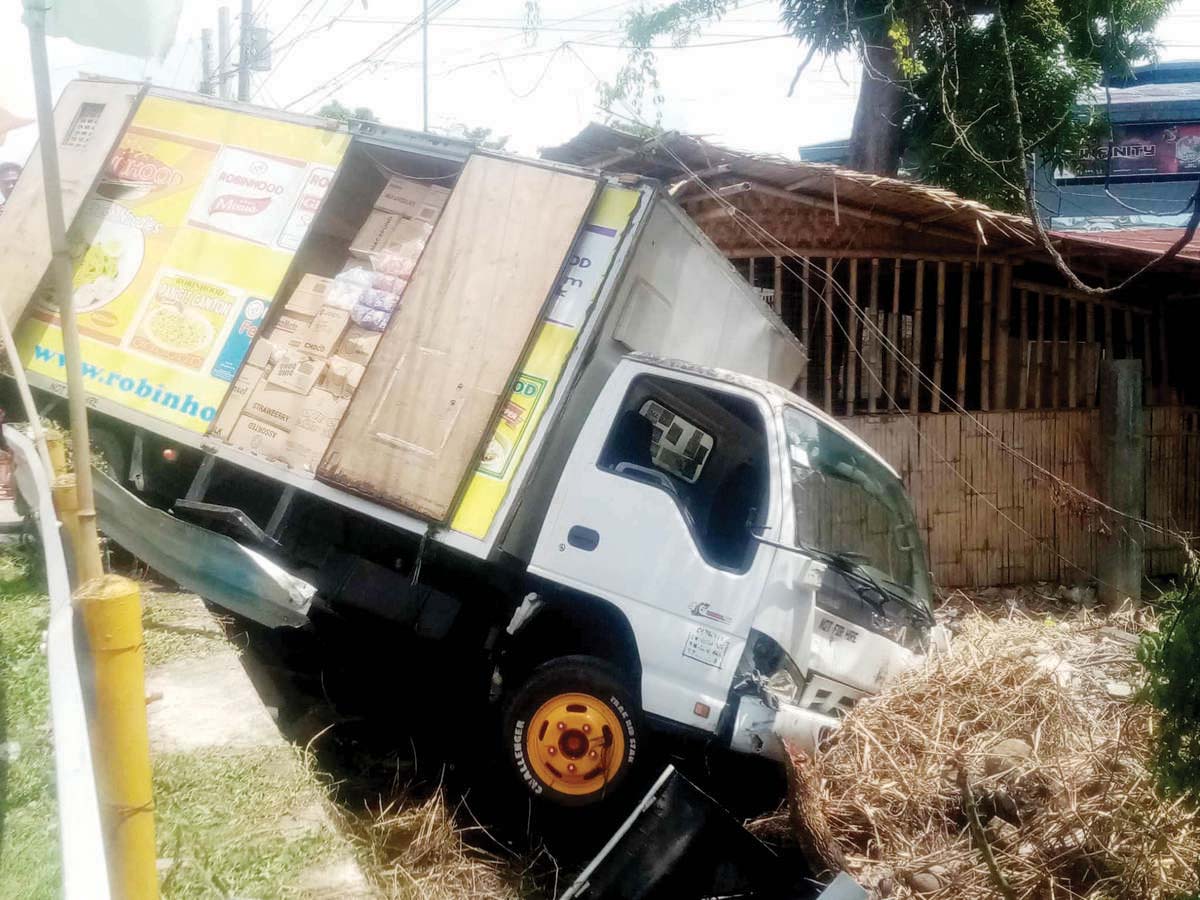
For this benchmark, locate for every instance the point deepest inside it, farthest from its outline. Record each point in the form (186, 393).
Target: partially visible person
(9, 172)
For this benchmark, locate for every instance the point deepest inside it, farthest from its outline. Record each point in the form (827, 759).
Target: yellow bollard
(66, 504)
(112, 614)
(56, 446)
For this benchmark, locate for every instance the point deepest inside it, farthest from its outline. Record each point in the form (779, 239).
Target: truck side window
(707, 450)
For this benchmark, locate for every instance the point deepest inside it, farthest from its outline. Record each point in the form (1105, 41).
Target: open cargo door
(450, 353)
(88, 119)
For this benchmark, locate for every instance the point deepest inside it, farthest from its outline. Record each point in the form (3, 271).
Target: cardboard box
(384, 232)
(259, 437)
(288, 330)
(272, 404)
(372, 237)
(324, 331)
(296, 371)
(309, 296)
(358, 345)
(235, 400)
(435, 202)
(342, 376)
(261, 353)
(316, 421)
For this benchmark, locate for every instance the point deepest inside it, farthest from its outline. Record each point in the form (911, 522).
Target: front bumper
(762, 731)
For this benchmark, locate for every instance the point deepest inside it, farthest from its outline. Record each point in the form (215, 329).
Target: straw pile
(1028, 725)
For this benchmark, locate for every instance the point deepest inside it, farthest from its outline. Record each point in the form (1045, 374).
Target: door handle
(582, 538)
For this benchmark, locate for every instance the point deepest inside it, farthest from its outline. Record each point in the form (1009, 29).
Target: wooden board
(24, 232)
(448, 358)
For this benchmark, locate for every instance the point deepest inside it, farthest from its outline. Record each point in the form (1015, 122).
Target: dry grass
(1090, 823)
(417, 850)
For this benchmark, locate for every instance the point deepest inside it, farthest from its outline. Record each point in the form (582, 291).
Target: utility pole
(87, 554)
(245, 45)
(223, 52)
(424, 65)
(206, 61)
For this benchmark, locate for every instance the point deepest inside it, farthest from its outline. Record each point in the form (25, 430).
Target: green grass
(220, 818)
(29, 855)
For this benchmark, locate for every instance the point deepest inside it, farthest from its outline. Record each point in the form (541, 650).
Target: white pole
(424, 65)
(88, 553)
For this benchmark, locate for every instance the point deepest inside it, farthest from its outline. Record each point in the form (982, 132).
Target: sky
(729, 83)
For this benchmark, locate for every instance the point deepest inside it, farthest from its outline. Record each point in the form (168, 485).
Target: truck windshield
(849, 505)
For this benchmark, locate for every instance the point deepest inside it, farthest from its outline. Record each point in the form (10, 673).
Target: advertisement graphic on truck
(180, 251)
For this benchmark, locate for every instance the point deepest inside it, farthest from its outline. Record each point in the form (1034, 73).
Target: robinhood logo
(239, 206)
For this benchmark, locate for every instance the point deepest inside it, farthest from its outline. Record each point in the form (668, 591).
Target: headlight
(780, 676)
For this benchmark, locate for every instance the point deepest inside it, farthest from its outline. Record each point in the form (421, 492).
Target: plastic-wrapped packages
(348, 287)
(370, 319)
(382, 300)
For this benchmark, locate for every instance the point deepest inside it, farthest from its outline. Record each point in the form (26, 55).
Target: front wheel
(571, 730)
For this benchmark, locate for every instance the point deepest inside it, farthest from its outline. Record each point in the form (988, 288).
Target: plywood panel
(450, 353)
(24, 232)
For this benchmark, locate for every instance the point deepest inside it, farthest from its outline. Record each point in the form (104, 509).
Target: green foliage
(336, 110)
(1171, 657)
(477, 135)
(957, 120)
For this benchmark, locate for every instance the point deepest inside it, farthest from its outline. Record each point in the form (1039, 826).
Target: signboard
(591, 256)
(179, 253)
(1145, 149)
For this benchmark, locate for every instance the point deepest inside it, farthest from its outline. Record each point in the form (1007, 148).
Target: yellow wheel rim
(575, 744)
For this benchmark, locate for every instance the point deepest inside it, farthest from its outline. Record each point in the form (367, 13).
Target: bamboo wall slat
(967, 535)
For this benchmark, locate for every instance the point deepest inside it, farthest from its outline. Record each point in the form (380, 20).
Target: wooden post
(939, 339)
(893, 332)
(1164, 393)
(1023, 381)
(851, 385)
(1089, 332)
(985, 369)
(1039, 359)
(1147, 361)
(829, 335)
(804, 312)
(1108, 331)
(1128, 352)
(1055, 334)
(777, 297)
(1000, 357)
(964, 309)
(750, 271)
(914, 394)
(1124, 480)
(870, 369)
(1072, 354)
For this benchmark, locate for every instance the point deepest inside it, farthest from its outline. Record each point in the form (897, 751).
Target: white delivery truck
(475, 386)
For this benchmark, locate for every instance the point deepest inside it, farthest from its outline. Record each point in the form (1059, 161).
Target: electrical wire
(374, 58)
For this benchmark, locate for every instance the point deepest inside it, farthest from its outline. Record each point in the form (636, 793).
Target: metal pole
(206, 61)
(223, 51)
(88, 551)
(424, 65)
(245, 41)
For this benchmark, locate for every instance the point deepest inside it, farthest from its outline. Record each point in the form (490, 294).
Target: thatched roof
(920, 214)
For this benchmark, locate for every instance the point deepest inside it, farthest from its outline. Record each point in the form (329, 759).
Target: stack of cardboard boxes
(300, 375)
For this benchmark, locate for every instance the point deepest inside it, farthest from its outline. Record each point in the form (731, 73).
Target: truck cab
(765, 563)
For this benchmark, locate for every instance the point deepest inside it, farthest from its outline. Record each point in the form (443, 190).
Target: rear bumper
(760, 730)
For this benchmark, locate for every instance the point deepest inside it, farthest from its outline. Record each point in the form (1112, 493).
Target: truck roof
(777, 396)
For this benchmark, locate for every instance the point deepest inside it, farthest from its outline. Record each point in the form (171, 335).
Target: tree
(478, 135)
(336, 110)
(932, 88)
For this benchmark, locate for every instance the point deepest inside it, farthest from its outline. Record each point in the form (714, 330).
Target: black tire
(601, 684)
